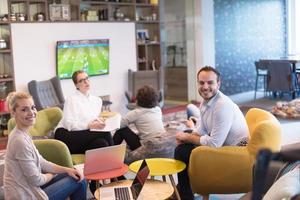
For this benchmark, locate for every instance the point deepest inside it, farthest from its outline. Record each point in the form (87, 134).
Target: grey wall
(245, 31)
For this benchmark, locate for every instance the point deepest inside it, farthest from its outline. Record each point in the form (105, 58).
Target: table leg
(98, 188)
(174, 186)
(164, 178)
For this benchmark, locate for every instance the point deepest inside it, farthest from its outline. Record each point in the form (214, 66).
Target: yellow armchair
(228, 169)
(54, 151)
(46, 121)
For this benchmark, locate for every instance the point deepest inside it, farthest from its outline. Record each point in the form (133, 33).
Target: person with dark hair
(27, 175)
(221, 123)
(147, 118)
(81, 114)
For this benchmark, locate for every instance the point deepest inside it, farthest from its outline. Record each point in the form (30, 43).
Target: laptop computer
(130, 192)
(104, 159)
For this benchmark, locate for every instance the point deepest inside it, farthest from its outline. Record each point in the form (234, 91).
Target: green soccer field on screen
(91, 56)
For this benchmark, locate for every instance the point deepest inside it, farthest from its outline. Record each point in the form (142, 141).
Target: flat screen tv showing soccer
(91, 56)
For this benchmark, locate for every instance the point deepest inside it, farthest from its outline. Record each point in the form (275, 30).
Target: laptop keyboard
(122, 193)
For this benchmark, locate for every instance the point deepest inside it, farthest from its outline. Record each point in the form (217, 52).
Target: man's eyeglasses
(83, 79)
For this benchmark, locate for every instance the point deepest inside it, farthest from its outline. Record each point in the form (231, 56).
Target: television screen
(91, 56)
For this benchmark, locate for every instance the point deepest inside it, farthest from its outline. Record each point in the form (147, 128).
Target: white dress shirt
(222, 122)
(79, 111)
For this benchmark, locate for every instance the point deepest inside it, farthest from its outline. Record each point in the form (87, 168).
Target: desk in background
(293, 60)
(282, 78)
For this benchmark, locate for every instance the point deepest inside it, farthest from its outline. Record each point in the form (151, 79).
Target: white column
(200, 40)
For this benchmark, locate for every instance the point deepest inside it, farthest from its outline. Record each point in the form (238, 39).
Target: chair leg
(255, 89)
(265, 86)
(205, 197)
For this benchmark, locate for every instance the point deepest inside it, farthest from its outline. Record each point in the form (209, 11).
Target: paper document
(79, 167)
(111, 124)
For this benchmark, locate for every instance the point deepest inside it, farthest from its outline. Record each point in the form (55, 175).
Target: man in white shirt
(220, 123)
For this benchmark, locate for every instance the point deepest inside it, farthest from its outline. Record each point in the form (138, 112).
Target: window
(293, 24)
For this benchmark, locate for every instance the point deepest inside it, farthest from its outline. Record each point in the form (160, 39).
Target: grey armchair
(46, 93)
(137, 79)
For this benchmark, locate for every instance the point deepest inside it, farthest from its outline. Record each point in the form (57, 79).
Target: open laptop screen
(140, 179)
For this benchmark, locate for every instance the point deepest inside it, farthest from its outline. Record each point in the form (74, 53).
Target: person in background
(193, 115)
(192, 111)
(220, 123)
(27, 175)
(80, 116)
(147, 118)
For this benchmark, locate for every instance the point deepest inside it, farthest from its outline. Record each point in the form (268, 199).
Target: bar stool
(261, 71)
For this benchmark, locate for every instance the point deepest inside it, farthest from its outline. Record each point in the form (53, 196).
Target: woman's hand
(74, 173)
(98, 123)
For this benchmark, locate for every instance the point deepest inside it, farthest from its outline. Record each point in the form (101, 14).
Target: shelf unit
(7, 83)
(148, 19)
(6, 62)
(29, 9)
(107, 11)
(145, 14)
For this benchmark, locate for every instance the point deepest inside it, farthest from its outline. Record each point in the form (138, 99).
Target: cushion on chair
(59, 93)
(46, 93)
(263, 137)
(54, 151)
(77, 158)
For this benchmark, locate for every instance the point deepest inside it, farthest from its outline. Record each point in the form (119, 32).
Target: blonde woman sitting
(27, 175)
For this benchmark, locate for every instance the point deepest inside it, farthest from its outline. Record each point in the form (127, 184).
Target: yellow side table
(107, 114)
(161, 167)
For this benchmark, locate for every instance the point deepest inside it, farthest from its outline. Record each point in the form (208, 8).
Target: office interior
(227, 34)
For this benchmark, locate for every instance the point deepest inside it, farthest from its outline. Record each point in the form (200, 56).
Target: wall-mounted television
(91, 56)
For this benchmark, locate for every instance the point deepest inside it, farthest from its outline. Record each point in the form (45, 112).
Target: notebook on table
(111, 124)
(127, 192)
(104, 159)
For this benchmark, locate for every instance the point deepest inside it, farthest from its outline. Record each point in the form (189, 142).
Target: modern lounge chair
(46, 93)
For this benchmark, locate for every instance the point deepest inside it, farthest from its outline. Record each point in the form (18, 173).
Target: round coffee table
(153, 189)
(107, 174)
(161, 167)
